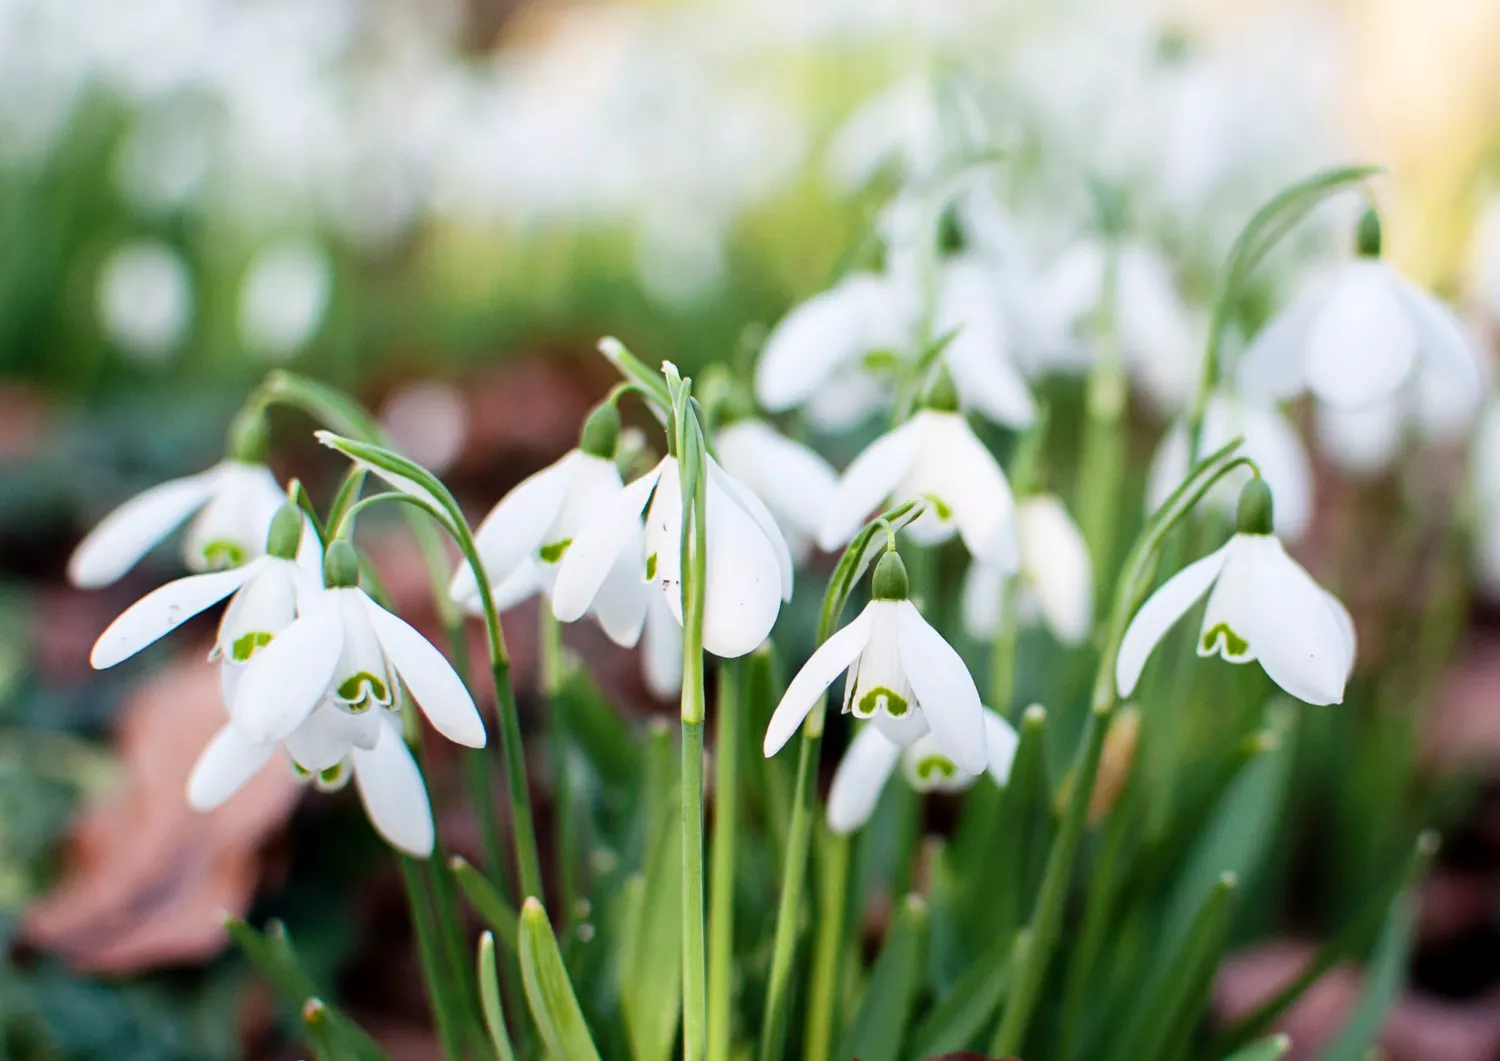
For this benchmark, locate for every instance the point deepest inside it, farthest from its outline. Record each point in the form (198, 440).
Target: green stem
(694, 999)
(427, 952)
(793, 877)
(722, 880)
(828, 948)
(550, 669)
(1103, 438)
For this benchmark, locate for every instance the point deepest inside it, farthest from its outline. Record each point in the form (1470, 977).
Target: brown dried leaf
(149, 880)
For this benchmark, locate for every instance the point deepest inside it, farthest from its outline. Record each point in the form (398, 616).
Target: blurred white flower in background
(284, 298)
(428, 420)
(145, 299)
(1486, 257)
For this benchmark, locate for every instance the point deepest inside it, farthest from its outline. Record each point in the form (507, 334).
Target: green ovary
(358, 690)
(222, 553)
(245, 645)
(936, 768)
(881, 697)
(1236, 645)
(552, 553)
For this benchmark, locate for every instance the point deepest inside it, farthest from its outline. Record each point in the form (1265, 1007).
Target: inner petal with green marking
(651, 568)
(223, 553)
(1232, 643)
(940, 508)
(246, 645)
(881, 698)
(363, 690)
(552, 552)
(936, 769)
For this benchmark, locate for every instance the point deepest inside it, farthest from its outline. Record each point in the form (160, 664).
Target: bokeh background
(441, 205)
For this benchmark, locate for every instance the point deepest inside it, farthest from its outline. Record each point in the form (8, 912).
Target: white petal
(325, 738)
(523, 583)
(621, 603)
(795, 482)
(979, 355)
(162, 611)
(746, 576)
(430, 678)
(863, 771)
(129, 532)
(1000, 741)
(1226, 628)
(514, 529)
(391, 788)
(1444, 344)
(229, 760)
(956, 468)
(1363, 344)
(811, 342)
(1160, 613)
(945, 690)
(1362, 442)
(663, 536)
(588, 561)
(285, 680)
(867, 482)
(1301, 639)
(756, 509)
(1057, 568)
(1274, 366)
(661, 650)
(233, 526)
(982, 603)
(832, 658)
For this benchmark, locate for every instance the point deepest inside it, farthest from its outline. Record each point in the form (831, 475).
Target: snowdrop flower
(347, 655)
(235, 501)
(1269, 440)
(525, 537)
(794, 481)
(748, 566)
(1264, 607)
(902, 675)
(1057, 580)
(661, 649)
(1357, 339)
(935, 457)
(872, 758)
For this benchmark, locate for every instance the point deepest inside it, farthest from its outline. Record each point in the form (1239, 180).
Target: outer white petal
(285, 680)
(832, 658)
(746, 575)
(1364, 441)
(623, 598)
(228, 761)
(1000, 741)
(979, 355)
(983, 586)
(325, 738)
(246, 500)
(514, 529)
(661, 650)
(867, 482)
(430, 678)
(1445, 347)
(391, 788)
(1156, 328)
(1274, 366)
(162, 611)
(756, 509)
(811, 342)
(588, 561)
(1161, 612)
(523, 583)
(129, 532)
(1301, 639)
(795, 482)
(945, 690)
(964, 475)
(863, 771)
(663, 536)
(1363, 344)
(1055, 562)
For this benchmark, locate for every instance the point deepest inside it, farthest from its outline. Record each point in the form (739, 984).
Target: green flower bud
(340, 565)
(1256, 511)
(941, 395)
(601, 431)
(248, 436)
(286, 532)
(1367, 236)
(890, 582)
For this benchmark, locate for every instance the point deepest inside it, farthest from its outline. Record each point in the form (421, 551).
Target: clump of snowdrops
(1055, 880)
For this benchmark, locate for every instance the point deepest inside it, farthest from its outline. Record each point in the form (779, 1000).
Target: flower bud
(1115, 762)
(1256, 511)
(601, 431)
(286, 532)
(1367, 237)
(340, 565)
(247, 436)
(890, 581)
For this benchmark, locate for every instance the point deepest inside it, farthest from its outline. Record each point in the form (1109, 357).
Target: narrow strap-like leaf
(876, 1031)
(489, 1000)
(549, 992)
(486, 900)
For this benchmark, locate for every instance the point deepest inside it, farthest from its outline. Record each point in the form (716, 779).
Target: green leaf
(486, 900)
(1270, 1049)
(968, 1007)
(1003, 885)
(876, 1031)
(549, 992)
(648, 382)
(405, 475)
(1383, 979)
(489, 1000)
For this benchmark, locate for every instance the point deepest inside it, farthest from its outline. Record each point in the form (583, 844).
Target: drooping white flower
(1269, 440)
(935, 457)
(1264, 607)
(748, 566)
(1359, 337)
(901, 674)
(872, 757)
(235, 501)
(661, 649)
(1057, 581)
(795, 481)
(347, 653)
(525, 537)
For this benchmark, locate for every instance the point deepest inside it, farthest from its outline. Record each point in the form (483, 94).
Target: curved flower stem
(721, 883)
(1103, 442)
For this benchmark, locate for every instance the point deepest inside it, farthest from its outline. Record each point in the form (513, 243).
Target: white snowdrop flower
(901, 674)
(1057, 580)
(145, 299)
(1269, 440)
(235, 501)
(872, 758)
(661, 649)
(1358, 338)
(934, 457)
(1263, 606)
(795, 482)
(526, 536)
(284, 298)
(748, 566)
(971, 306)
(265, 593)
(348, 653)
